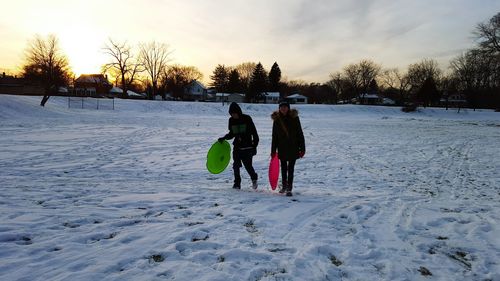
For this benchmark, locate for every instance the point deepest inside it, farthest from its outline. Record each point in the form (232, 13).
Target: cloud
(308, 39)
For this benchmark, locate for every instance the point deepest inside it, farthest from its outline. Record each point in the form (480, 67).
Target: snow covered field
(124, 195)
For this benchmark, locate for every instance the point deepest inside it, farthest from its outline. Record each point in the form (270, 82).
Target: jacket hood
(235, 108)
(294, 113)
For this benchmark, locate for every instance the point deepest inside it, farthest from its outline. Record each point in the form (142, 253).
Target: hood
(235, 108)
(294, 113)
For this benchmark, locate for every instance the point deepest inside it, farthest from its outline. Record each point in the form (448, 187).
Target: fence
(91, 103)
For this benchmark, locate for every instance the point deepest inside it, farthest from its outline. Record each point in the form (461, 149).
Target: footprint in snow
(250, 226)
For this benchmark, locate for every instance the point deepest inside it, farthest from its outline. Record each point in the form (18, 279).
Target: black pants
(243, 157)
(287, 168)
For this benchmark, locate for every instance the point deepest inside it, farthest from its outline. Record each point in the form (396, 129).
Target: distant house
(271, 97)
(388, 101)
(211, 94)
(211, 91)
(63, 90)
(92, 85)
(457, 98)
(370, 99)
(169, 96)
(195, 91)
(117, 92)
(12, 85)
(454, 100)
(134, 95)
(296, 98)
(228, 97)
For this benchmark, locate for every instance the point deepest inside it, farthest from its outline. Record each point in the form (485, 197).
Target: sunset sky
(308, 39)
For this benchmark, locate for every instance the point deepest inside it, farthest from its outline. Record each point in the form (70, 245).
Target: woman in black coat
(288, 141)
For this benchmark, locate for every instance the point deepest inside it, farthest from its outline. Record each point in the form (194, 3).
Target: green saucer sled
(218, 157)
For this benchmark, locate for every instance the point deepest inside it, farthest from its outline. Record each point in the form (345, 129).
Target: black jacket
(288, 137)
(242, 130)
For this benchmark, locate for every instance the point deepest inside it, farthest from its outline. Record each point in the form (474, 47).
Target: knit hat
(235, 108)
(285, 103)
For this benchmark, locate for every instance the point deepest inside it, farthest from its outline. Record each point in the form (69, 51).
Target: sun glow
(83, 63)
(83, 47)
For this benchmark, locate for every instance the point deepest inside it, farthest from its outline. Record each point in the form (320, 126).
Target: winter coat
(288, 137)
(242, 130)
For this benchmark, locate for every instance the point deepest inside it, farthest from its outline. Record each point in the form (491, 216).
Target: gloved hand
(221, 140)
(273, 154)
(301, 154)
(254, 151)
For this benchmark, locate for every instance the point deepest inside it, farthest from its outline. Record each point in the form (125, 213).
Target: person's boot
(284, 187)
(289, 190)
(236, 185)
(237, 178)
(254, 184)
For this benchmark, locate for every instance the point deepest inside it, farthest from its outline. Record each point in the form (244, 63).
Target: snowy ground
(124, 195)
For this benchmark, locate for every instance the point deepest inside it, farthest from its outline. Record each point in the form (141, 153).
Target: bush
(410, 107)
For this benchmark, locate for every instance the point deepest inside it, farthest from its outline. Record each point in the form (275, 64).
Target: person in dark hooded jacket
(246, 140)
(288, 141)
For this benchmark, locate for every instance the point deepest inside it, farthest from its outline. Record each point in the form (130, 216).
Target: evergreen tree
(428, 93)
(220, 78)
(373, 87)
(234, 85)
(274, 78)
(258, 83)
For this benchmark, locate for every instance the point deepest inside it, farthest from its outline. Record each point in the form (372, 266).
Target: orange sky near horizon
(81, 38)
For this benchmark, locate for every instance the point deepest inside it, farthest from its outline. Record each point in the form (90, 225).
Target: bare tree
(464, 68)
(352, 77)
(449, 85)
(488, 34)
(477, 72)
(289, 87)
(369, 72)
(45, 63)
(421, 71)
(122, 64)
(154, 57)
(245, 70)
(359, 76)
(394, 79)
(176, 77)
(337, 83)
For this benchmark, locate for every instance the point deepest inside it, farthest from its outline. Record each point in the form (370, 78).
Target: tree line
(145, 69)
(148, 70)
(248, 78)
(474, 74)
